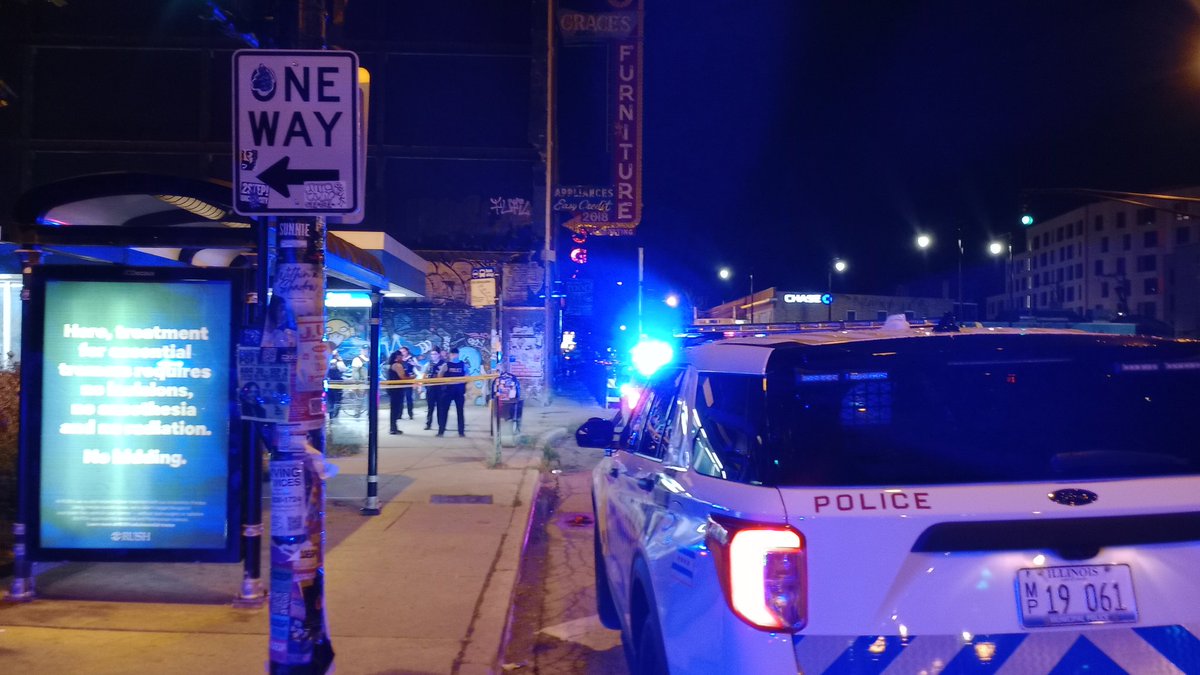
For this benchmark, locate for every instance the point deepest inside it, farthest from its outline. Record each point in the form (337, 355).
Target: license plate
(1075, 594)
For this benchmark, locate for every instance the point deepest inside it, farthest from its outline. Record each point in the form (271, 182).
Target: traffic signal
(1027, 219)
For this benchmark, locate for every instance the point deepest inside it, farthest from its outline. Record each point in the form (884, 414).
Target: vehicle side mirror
(595, 433)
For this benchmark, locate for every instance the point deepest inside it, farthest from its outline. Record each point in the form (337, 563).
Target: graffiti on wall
(450, 281)
(423, 328)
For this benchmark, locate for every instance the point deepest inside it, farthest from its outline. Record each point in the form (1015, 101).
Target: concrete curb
(486, 636)
(548, 438)
(544, 441)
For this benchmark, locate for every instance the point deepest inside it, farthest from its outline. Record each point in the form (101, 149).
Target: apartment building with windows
(1110, 259)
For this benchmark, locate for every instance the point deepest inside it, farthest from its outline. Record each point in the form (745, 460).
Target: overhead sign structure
(295, 132)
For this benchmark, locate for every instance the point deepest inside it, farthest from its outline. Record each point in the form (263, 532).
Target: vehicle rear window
(955, 409)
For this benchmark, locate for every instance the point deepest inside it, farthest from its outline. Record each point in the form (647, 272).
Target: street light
(672, 300)
(838, 265)
(924, 241)
(996, 248)
(726, 274)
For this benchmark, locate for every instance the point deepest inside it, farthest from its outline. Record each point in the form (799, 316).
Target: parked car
(922, 501)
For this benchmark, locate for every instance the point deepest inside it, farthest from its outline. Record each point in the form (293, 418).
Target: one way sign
(295, 133)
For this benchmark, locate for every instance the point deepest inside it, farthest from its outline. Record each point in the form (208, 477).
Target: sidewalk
(425, 587)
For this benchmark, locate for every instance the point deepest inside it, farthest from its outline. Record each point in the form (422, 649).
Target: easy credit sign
(295, 133)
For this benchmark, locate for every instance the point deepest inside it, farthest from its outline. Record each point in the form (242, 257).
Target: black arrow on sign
(278, 176)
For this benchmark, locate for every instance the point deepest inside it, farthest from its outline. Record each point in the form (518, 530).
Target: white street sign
(295, 133)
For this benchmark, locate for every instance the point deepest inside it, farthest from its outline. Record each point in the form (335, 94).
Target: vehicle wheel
(651, 656)
(606, 608)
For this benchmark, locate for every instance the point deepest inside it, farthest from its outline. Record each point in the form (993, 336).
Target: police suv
(907, 500)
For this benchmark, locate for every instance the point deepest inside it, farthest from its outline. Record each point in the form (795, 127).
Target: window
(1078, 270)
(1046, 238)
(730, 408)
(1058, 235)
(1126, 242)
(1070, 294)
(1150, 286)
(1183, 235)
(649, 429)
(1037, 281)
(1070, 253)
(1104, 244)
(1037, 243)
(1042, 259)
(852, 315)
(1079, 228)
(1043, 298)
(1147, 263)
(1146, 216)
(1060, 275)
(1070, 273)
(1150, 239)
(1120, 267)
(1099, 223)
(1120, 219)
(1070, 231)
(881, 316)
(1104, 289)
(1099, 267)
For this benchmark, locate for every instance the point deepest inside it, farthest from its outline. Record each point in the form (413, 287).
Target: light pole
(725, 274)
(996, 248)
(924, 241)
(838, 265)
(751, 297)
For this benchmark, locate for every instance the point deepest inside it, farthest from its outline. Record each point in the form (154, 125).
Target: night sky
(780, 134)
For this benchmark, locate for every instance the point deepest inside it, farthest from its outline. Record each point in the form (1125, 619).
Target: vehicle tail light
(763, 572)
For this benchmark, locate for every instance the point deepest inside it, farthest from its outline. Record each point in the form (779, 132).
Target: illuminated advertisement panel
(135, 457)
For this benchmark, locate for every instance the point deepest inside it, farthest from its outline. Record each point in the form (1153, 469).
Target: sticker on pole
(296, 142)
(288, 507)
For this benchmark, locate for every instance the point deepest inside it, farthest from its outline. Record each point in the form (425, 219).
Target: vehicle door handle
(647, 483)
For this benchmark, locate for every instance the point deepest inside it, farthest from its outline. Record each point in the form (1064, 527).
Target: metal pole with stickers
(293, 334)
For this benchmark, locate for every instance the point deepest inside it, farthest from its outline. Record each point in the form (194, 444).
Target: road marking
(586, 631)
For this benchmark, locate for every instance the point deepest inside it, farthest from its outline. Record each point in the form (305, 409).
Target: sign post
(298, 153)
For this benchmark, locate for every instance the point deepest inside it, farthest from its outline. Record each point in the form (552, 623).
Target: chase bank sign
(807, 298)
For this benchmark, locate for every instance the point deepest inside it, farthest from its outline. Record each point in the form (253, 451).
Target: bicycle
(354, 400)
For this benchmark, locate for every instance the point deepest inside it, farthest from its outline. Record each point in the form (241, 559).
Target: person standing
(409, 367)
(432, 393)
(395, 394)
(335, 372)
(360, 363)
(453, 393)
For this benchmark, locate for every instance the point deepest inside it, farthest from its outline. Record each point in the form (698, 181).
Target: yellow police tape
(407, 384)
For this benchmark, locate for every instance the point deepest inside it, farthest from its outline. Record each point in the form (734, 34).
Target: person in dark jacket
(408, 364)
(432, 393)
(452, 393)
(395, 371)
